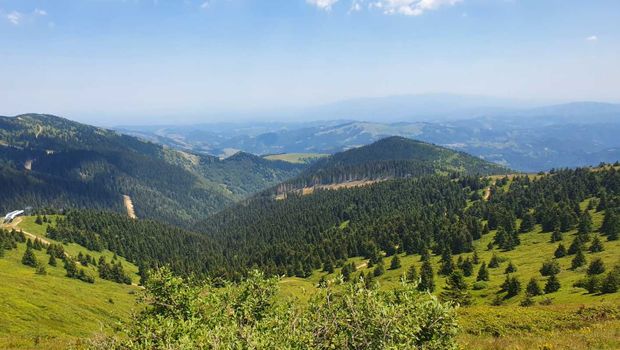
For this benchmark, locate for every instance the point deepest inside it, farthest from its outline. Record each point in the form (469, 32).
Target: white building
(12, 215)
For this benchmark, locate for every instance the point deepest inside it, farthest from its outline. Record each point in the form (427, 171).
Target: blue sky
(137, 59)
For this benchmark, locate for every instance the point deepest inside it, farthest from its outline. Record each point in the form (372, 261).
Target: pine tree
(552, 285)
(527, 223)
(494, 262)
(447, 265)
(467, 267)
(560, 252)
(579, 260)
(412, 274)
(576, 245)
(556, 236)
(512, 287)
(596, 267)
(483, 273)
(52, 260)
(29, 259)
(71, 268)
(395, 263)
(550, 268)
(510, 268)
(596, 246)
(611, 282)
(475, 258)
(611, 225)
(427, 278)
(456, 289)
(533, 289)
(379, 270)
(38, 220)
(328, 266)
(585, 223)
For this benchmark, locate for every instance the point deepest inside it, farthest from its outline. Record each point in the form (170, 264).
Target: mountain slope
(47, 161)
(392, 157)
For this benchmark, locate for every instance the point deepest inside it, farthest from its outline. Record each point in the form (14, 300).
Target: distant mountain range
(532, 139)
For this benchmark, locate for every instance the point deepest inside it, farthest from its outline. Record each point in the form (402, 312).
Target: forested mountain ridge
(302, 233)
(392, 157)
(48, 161)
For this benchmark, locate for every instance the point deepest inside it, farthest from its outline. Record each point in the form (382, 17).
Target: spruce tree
(527, 223)
(510, 268)
(585, 223)
(52, 260)
(447, 265)
(596, 267)
(560, 252)
(552, 285)
(475, 258)
(395, 263)
(533, 288)
(467, 267)
(550, 268)
(427, 278)
(513, 288)
(579, 260)
(596, 246)
(412, 274)
(483, 273)
(379, 270)
(611, 282)
(456, 289)
(494, 262)
(29, 259)
(556, 236)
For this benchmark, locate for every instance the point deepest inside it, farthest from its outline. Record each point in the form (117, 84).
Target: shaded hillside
(47, 161)
(392, 157)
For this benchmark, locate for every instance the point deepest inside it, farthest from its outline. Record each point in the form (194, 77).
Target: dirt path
(487, 194)
(39, 131)
(129, 206)
(17, 221)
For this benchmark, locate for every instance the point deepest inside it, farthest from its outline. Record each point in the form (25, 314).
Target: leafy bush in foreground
(179, 314)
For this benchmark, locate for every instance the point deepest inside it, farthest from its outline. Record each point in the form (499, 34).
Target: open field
(296, 158)
(53, 311)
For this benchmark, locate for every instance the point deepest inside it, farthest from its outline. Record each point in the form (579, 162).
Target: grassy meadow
(53, 311)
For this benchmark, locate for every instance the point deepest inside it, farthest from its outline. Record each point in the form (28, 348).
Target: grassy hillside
(593, 320)
(53, 311)
(297, 158)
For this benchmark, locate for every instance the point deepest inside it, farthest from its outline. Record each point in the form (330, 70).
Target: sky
(117, 61)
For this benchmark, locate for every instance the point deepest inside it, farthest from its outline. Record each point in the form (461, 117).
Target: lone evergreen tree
(483, 273)
(513, 288)
(467, 267)
(533, 289)
(29, 259)
(52, 260)
(395, 263)
(556, 236)
(596, 267)
(494, 262)
(527, 223)
(579, 260)
(510, 268)
(475, 258)
(560, 252)
(585, 223)
(412, 274)
(447, 265)
(456, 289)
(596, 246)
(379, 270)
(427, 278)
(552, 285)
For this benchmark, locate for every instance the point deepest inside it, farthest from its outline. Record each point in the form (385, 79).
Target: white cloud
(205, 5)
(322, 4)
(14, 17)
(356, 6)
(411, 7)
(39, 12)
(592, 38)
